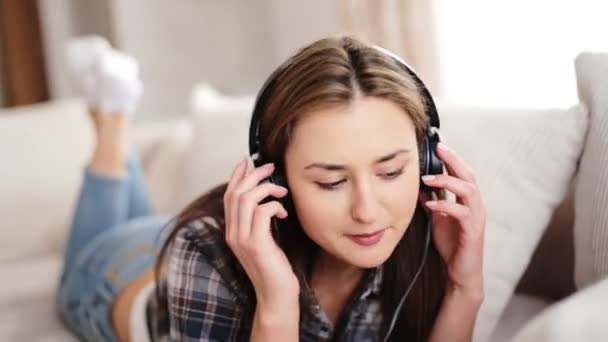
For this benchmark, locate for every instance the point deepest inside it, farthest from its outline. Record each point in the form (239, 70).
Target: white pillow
(591, 196)
(580, 317)
(524, 161)
(220, 131)
(44, 148)
(162, 146)
(219, 142)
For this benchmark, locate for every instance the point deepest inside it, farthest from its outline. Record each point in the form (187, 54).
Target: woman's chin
(367, 257)
(367, 261)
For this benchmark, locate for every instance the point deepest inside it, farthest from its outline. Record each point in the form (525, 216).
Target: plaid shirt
(202, 298)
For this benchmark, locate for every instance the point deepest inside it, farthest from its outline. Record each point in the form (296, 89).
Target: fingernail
(443, 147)
(269, 166)
(428, 178)
(431, 204)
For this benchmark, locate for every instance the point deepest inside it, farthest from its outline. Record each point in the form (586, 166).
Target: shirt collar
(374, 282)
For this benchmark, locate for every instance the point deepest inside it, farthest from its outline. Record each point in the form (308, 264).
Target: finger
(461, 213)
(454, 163)
(261, 219)
(250, 179)
(466, 193)
(253, 178)
(248, 203)
(237, 174)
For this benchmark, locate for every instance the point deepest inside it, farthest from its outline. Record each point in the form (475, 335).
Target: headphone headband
(432, 117)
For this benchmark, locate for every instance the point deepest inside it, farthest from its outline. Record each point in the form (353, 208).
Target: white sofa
(526, 162)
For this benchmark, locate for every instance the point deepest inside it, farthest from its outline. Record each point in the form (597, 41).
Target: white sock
(119, 85)
(82, 55)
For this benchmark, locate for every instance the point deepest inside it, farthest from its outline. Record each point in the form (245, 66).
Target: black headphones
(430, 164)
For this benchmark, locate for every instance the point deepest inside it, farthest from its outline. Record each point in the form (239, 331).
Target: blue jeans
(113, 239)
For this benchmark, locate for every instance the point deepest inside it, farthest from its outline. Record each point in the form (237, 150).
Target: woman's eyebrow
(339, 167)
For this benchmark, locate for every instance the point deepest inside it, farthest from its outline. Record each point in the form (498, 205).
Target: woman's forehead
(367, 125)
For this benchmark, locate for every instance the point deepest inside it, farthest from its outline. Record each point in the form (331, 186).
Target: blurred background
(517, 53)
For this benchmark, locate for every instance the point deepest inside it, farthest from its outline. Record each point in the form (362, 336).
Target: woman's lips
(367, 239)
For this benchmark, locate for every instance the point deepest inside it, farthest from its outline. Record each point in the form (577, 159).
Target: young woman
(343, 123)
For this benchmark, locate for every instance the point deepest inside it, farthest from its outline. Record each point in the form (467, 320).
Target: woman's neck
(328, 268)
(333, 282)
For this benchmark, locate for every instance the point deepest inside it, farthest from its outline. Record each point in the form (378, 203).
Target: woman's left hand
(458, 227)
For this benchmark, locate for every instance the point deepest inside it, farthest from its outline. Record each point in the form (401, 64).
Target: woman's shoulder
(199, 286)
(204, 235)
(199, 257)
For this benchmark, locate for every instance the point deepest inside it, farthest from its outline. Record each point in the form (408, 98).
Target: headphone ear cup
(430, 164)
(435, 165)
(257, 161)
(423, 156)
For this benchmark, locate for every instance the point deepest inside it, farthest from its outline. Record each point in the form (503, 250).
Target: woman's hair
(327, 73)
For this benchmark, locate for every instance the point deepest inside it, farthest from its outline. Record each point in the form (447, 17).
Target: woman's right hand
(248, 234)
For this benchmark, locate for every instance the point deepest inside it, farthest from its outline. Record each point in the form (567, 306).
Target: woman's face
(353, 171)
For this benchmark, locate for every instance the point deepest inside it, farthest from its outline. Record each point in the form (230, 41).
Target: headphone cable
(427, 244)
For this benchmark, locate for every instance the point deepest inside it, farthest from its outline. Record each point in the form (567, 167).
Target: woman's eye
(330, 186)
(336, 185)
(393, 175)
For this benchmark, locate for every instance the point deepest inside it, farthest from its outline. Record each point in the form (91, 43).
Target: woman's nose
(365, 207)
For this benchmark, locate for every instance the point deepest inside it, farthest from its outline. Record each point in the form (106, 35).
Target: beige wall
(295, 23)
(226, 43)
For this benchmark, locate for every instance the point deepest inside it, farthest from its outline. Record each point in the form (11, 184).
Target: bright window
(517, 53)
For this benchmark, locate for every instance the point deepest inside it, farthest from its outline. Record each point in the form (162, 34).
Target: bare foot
(111, 152)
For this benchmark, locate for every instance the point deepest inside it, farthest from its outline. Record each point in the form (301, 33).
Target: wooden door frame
(23, 67)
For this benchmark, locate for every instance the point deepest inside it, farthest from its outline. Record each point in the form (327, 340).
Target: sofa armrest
(581, 317)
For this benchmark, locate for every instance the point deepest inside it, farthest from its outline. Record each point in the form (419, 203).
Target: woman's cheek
(404, 199)
(318, 209)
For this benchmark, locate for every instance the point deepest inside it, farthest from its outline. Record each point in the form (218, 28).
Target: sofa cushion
(29, 296)
(524, 161)
(44, 148)
(519, 311)
(220, 130)
(580, 317)
(591, 197)
(162, 146)
(544, 277)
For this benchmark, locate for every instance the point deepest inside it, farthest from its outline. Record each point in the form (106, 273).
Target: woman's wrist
(472, 291)
(456, 319)
(278, 307)
(276, 323)
(275, 299)
(471, 296)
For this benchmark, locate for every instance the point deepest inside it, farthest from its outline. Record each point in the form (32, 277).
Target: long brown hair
(332, 72)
